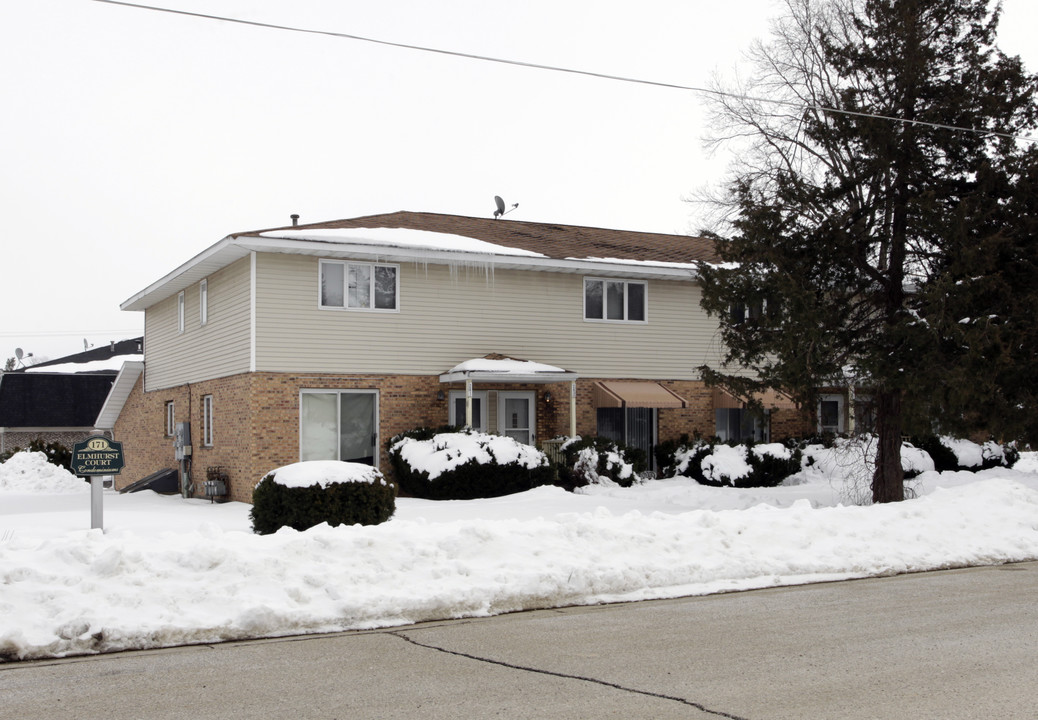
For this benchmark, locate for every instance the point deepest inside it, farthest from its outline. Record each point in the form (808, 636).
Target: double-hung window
(359, 286)
(615, 300)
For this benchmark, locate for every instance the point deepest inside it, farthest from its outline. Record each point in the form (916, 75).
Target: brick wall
(256, 419)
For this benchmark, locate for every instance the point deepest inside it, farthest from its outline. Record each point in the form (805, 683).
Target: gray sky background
(132, 140)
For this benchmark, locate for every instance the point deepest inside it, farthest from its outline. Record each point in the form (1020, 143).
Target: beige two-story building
(322, 341)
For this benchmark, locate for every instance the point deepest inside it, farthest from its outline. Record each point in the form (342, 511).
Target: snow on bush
(596, 461)
(775, 450)
(30, 472)
(448, 451)
(850, 463)
(726, 464)
(325, 472)
(465, 465)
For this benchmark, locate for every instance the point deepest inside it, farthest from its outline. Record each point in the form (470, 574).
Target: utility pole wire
(572, 71)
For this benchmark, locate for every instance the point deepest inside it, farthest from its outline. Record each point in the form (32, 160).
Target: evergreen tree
(873, 243)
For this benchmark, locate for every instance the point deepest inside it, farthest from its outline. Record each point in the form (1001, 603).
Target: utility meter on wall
(182, 440)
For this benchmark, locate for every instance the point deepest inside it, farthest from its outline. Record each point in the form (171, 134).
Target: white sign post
(96, 457)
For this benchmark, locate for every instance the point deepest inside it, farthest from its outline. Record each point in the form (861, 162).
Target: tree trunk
(888, 482)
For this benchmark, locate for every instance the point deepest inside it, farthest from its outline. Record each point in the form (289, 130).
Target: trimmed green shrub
(989, 455)
(276, 505)
(464, 465)
(741, 466)
(596, 459)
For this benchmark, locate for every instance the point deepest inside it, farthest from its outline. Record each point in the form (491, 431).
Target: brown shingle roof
(551, 240)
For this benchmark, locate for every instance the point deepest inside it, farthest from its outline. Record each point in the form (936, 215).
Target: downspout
(572, 408)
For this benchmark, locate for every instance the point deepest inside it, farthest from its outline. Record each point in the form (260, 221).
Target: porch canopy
(769, 399)
(501, 369)
(635, 394)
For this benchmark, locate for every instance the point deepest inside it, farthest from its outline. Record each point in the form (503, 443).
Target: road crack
(567, 676)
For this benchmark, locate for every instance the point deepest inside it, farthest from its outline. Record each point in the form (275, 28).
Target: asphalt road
(952, 644)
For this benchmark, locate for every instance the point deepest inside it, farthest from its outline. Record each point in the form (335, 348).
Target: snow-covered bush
(599, 461)
(466, 464)
(850, 463)
(305, 494)
(749, 465)
(950, 453)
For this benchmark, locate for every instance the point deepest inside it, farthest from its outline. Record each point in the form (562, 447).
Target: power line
(572, 71)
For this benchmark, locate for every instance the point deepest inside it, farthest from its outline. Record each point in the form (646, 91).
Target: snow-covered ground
(169, 571)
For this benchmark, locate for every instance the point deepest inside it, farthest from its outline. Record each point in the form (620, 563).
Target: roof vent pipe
(295, 219)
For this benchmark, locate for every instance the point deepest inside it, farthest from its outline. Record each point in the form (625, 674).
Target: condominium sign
(97, 455)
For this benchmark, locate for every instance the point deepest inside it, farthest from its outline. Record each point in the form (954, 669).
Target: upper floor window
(180, 312)
(359, 286)
(203, 302)
(616, 300)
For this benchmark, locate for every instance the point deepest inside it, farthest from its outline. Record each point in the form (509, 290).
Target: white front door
(517, 416)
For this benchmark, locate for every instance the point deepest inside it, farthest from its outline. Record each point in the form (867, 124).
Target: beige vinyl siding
(450, 315)
(202, 352)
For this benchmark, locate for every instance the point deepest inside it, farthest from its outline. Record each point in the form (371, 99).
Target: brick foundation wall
(256, 419)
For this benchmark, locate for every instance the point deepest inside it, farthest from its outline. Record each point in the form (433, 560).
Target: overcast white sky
(131, 140)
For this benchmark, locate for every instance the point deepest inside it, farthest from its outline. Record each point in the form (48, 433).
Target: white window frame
(203, 302)
(452, 399)
(207, 420)
(841, 406)
(337, 392)
(346, 265)
(627, 295)
(181, 303)
(171, 418)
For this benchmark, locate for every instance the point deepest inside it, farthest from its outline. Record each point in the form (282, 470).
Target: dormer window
(615, 300)
(359, 286)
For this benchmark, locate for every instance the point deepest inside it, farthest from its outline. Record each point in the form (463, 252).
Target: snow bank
(169, 571)
(29, 472)
(90, 592)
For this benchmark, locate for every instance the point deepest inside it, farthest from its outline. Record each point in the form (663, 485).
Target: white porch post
(850, 409)
(572, 408)
(468, 402)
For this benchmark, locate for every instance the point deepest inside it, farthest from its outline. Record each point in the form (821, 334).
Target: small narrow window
(203, 302)
(180, 312)
(207, 420)
(171, 419)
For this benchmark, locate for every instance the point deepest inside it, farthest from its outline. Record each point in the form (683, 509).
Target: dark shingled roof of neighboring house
(52, 399)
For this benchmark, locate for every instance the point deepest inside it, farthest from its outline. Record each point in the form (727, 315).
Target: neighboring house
(59, 400)
(325, 340)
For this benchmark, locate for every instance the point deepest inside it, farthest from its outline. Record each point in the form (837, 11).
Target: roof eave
(235, 247)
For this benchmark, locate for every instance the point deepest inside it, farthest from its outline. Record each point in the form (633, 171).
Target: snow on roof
(114, 363)
(402, 237)
(504, 366)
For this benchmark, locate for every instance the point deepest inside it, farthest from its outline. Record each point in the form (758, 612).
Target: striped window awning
(635, 394)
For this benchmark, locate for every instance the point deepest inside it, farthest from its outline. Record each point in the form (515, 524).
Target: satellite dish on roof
(501, 207)
(18, 353)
